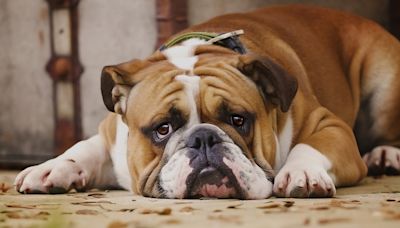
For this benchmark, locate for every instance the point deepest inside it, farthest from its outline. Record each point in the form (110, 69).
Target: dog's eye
(163, 130)
(237, 121)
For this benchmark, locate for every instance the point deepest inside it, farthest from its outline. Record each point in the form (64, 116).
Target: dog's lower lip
(210, 182)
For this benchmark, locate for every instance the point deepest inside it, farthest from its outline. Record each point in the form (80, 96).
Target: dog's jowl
(244, 106)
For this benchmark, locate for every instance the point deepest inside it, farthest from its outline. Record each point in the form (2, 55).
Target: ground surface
(374, 203)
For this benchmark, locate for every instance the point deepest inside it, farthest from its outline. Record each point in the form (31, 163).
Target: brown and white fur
(310, 77)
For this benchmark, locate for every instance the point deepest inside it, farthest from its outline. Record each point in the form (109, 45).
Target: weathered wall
(110, 34)
(202, 10)
(26, 124)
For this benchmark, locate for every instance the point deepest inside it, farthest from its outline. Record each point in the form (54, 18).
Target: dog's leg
(378, 123)
(383, 160)
(85, 165)
(325, 156)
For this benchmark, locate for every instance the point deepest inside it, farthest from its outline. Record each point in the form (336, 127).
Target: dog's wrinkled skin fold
(200, 120)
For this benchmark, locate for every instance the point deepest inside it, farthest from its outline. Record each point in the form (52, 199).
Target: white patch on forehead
(182, 55)
(192, 84)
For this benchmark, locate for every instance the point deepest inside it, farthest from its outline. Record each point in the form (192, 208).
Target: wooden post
(65, 69)
(171, 18)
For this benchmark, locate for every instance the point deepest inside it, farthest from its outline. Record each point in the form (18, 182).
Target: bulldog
(216, 113)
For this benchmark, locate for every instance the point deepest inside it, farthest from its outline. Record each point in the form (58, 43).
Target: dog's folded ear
(116, 84)
(276, 84)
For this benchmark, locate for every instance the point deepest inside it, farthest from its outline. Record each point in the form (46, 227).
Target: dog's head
(201, 121)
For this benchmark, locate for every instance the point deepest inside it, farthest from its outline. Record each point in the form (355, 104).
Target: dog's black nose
(203, 139)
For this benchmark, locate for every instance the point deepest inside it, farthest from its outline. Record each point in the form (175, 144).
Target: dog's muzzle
(210, 177)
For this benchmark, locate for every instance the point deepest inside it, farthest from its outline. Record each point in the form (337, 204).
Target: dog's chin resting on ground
(283, 109)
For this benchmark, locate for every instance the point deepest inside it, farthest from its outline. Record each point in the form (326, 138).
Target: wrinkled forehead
(193, 53)
(191, 77)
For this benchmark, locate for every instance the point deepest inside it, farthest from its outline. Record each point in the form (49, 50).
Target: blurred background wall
(200, 10)
(109, 32)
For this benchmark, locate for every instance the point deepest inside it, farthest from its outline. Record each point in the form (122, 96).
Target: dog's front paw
(54, 176)
(300, 181)
(383, 160)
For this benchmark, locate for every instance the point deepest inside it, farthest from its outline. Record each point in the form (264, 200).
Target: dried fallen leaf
(164, 211)
(186, 209)
(48, 206)
(117, 224)
(66, 213)
(337, 204)
(20, 206)
(332, 220)
(4, 187)
(172, 221)
(126, 209)
(268, 206)
(145, 211)
(288, 203)
(43, 213)
(86, 212)
(276, 210)
(97, 195)
(349, 206)
(78, 196)
(341, 203)
(320, 208)
(20, 215)
(120, 224)
(183, 202)
(14, 215)
(235, 206)
(226, 218)
(117, 210)
(92, 203)
(8, 211)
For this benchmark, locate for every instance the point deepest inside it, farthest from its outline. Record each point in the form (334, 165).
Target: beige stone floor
(374, 203)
